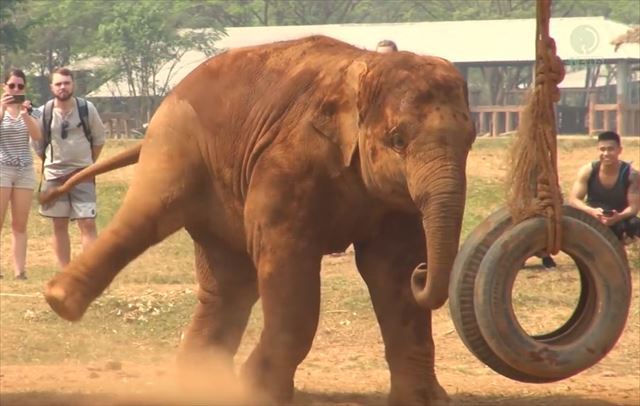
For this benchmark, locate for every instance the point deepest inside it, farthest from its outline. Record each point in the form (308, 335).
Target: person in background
(548, 262)
(611, 188)
(386, 46)
(17, 177)
(67, 150)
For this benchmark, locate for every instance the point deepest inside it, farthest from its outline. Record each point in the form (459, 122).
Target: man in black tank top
(611, 187)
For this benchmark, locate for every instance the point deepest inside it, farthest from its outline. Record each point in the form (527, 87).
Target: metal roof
(578, 39)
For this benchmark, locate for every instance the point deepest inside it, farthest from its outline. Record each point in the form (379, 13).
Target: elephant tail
(125, 158)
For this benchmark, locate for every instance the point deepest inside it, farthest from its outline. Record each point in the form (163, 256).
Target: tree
(141, 38)
(54, 33)
(12, 38)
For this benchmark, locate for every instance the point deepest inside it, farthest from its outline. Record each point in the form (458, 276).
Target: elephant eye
(397, 141)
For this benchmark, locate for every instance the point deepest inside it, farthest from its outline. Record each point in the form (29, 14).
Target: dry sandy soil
(336, 372)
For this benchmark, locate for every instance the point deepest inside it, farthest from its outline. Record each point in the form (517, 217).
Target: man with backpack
(73, 136)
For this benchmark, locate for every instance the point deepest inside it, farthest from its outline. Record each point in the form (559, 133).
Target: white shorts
(79, 203)
(17, 177)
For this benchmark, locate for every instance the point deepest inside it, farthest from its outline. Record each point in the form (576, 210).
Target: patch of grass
(483, 198)
(492, 144)
(110, 196)
(116, 325)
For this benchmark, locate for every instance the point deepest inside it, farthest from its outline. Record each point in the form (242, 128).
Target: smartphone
(17, 99)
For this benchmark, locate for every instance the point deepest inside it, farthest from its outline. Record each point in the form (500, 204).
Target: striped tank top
(14, 142)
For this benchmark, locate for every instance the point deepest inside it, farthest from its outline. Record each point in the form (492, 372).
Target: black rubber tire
(592, 330)
(462, 286)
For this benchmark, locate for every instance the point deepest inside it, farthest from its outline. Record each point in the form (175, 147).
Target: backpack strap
(83, 112)
(47, 118)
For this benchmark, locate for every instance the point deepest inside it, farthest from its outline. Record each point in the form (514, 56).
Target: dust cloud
(200, 379)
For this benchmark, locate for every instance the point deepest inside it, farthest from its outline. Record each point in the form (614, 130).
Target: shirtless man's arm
(579, 192)
(633, 196)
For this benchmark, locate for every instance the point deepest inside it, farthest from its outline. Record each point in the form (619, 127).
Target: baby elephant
(271, 157)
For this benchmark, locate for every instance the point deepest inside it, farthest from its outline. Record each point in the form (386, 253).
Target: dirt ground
(337, 371)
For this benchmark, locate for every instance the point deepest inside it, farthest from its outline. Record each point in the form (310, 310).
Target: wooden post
(620, 127)
(464, 71)
(481, 123)
(519, 116)
(593, 98)
(119, 126)
(494, 123)
(622, 91)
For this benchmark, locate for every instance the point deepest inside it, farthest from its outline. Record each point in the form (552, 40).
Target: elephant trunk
(439, 192)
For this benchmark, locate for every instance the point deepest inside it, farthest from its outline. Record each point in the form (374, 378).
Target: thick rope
(533, 187)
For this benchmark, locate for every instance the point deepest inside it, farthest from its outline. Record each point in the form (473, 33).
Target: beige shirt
(63, 156)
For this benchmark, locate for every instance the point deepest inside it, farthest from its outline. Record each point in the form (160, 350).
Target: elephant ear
(339, 114)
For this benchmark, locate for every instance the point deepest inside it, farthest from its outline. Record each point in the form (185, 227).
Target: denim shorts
(17, 177)
(79, 203)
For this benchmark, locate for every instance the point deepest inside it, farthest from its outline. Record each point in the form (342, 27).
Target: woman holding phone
(17, 177)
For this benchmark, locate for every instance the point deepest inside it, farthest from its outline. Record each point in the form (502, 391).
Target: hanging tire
(462, 287)
(595, 325)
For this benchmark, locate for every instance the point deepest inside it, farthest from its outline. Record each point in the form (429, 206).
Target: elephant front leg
(227, 291)
(385, 263)
(289, 286)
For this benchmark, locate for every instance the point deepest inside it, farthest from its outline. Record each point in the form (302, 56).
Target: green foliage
(141, 38)
(12, 37)
(627, 12)
(305, 12)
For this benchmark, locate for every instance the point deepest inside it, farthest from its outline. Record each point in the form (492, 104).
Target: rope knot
(549, 68)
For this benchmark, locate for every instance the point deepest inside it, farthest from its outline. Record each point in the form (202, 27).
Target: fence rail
(117, 125)
(620, 117)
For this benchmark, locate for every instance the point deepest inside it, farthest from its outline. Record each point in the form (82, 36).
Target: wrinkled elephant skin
(271, 157)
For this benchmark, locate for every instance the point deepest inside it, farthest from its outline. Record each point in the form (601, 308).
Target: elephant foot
(195, 354)
(268, 380)
(429, 394)
(65, 295)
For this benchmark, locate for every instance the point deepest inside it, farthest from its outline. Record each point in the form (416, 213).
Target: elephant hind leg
(289, 284)
(70, 292)
(227, 291)
(158, 203)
